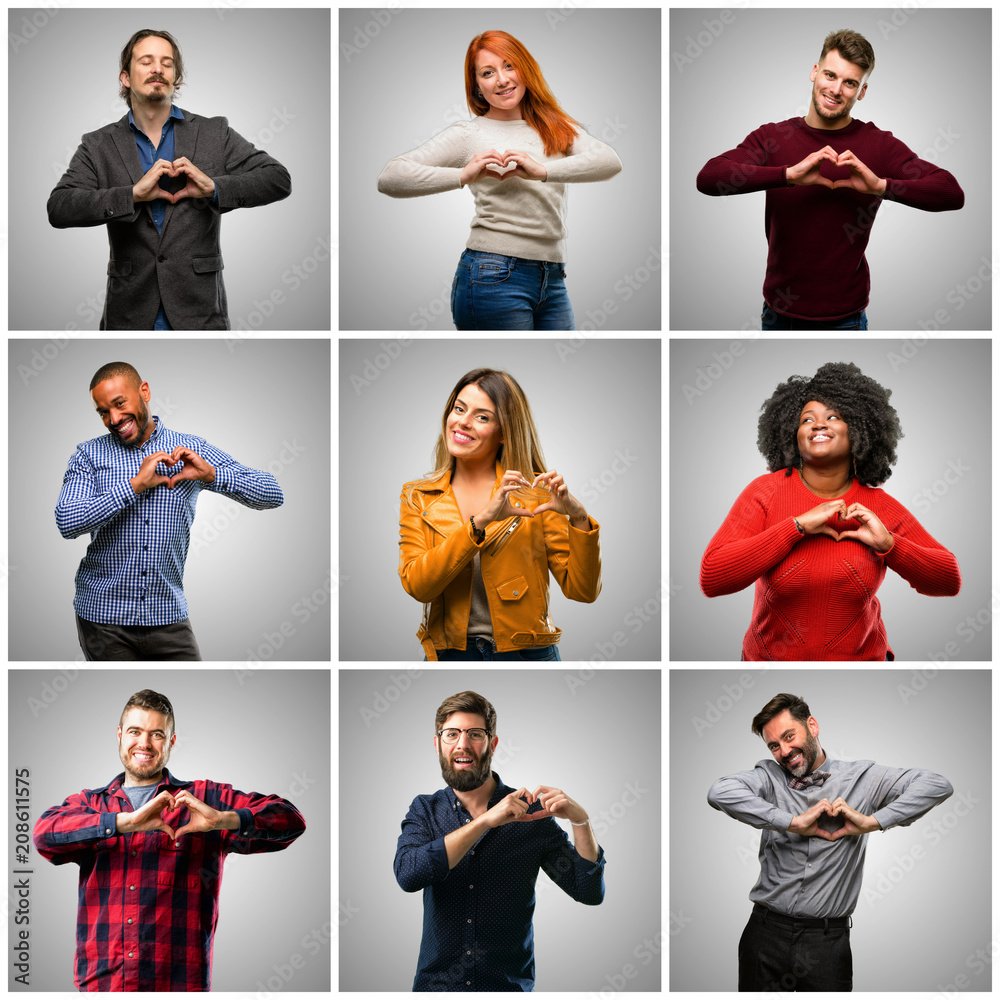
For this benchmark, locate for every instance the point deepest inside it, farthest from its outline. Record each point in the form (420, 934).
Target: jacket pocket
(204, 265)
(119, 268)
(513, 590)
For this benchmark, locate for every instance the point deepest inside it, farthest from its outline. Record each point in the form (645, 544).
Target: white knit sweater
(517, 217)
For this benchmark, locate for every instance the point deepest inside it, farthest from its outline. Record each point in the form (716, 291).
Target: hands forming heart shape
(169, 469)
(193, 182)
(832, 820)
(494, 165)
(827, 168)
(167, 812)
(163, 468)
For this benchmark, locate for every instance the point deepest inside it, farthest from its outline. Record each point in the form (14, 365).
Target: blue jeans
(478, 648)
(771, 320)
(493, 292)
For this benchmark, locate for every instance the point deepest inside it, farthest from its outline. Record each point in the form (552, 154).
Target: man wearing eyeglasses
(475, 849)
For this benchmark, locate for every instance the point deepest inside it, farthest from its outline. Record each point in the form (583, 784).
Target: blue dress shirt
(148, 155)
(477, 933)
(133, 571)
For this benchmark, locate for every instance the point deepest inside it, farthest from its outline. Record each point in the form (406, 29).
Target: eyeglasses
(451, 735)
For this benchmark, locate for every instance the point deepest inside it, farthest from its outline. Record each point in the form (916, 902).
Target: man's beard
(466, 779)
(810, 751)
(826, 113)
(143, 772)
(156, 95)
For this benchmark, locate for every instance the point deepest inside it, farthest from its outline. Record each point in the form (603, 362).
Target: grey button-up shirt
(809, 876)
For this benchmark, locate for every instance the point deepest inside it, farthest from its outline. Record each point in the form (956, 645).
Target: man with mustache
(825, 176)
(138, 177)
(475, 849)
(814, 813)
(134, 490)
(151, 850)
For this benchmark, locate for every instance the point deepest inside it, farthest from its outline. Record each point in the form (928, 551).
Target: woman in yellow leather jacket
(474, 548)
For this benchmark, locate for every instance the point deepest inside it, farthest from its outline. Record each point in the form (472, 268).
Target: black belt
(780, 918)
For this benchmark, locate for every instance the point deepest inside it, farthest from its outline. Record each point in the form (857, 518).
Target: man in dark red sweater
(825, 177)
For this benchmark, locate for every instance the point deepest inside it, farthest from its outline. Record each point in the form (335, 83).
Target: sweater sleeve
(923, 562)
(743, 549)
(434, 167)
(743, 169)
(917, 183)
(588, 159)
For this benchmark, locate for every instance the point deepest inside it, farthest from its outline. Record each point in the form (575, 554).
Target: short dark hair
(151, 701)
(872, 422)
(125, 63)
(115, 369)
(777, 705)
(853, 47)
(467, 701)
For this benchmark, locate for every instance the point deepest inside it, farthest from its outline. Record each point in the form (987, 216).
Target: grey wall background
(260, 731)
(941, 390)
(756, 70)
(249, 572)
(267, 71)
(914, 930)
(403, 82)
(594, 734)
(596, 407)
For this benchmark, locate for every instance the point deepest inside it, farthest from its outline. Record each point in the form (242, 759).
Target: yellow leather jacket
(436, 549)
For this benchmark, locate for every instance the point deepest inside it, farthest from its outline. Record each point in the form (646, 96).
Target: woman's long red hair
(539, 107)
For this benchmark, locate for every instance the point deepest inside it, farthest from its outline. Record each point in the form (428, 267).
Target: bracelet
(584, 823)
(478, 533)
(798, 527)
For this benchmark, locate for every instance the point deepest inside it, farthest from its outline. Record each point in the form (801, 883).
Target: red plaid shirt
(148, 906)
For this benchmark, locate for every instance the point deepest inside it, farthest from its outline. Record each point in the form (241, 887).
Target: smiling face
(822, 435)
(500, 85)
(465, 765)
(837, 84)
(144, 744)
(151, 74)
(121, 405)
(794, 745)
(472, 429)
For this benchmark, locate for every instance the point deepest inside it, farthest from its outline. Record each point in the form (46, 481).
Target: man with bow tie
(814, 814)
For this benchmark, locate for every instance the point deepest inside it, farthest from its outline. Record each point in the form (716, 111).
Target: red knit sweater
(816, 236)
(815, 597)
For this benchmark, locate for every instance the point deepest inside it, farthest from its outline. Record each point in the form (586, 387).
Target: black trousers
(137, 642)
(782, 954)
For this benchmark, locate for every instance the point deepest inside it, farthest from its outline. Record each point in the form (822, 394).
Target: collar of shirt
(167, 780)
(175, 112)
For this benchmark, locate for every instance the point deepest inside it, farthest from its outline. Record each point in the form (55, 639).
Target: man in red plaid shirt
(150, 850)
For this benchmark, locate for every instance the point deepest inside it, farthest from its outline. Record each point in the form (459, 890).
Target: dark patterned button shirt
(477, 933)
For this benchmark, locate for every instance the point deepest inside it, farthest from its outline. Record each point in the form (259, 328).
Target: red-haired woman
(516, 155)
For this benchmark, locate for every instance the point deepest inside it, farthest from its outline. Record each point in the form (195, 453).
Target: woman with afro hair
(816, 533)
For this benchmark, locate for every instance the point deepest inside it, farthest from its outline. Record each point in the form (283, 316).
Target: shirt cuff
(246, 828)
(109, 825)
(215, 193)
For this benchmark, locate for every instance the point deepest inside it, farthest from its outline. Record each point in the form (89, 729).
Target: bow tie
(816, 778)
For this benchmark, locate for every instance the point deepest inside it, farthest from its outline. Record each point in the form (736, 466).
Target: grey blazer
(183, 265)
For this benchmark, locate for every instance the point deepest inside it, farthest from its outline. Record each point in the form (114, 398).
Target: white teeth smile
(504, 93)
(822, 437)
(459, 436)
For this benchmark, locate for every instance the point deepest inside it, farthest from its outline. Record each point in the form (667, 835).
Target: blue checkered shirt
(133, 572)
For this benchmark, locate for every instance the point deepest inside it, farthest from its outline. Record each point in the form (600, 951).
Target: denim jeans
(781, 954)
(137, 642)
(493, 292)
(478, 648)
(771, 320)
